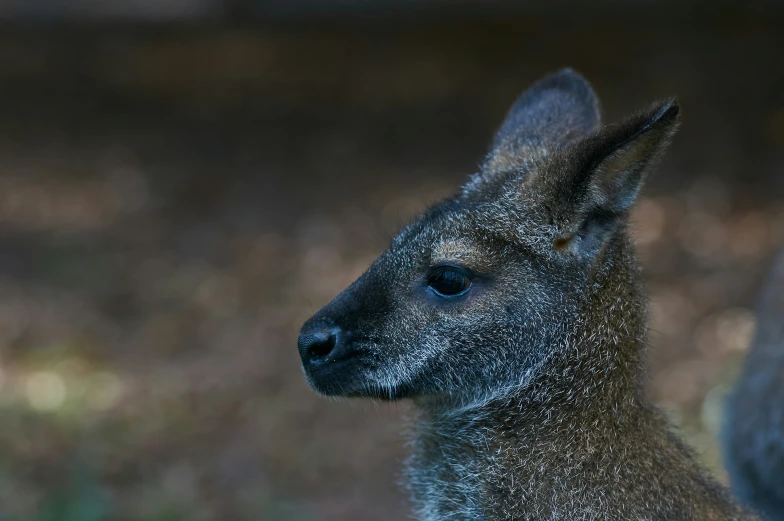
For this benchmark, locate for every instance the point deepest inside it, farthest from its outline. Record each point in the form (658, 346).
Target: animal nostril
(321, 346)
(316, 346)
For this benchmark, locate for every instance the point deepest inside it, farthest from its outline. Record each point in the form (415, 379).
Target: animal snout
(319, 344)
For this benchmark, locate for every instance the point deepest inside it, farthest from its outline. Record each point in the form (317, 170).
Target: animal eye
(449, 280)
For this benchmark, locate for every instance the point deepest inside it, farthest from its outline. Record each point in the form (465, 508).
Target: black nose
(318, 343)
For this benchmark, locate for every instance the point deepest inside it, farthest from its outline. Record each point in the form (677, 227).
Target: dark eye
(449, 280)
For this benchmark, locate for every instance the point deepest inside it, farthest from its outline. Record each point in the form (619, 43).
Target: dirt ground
(174, 203)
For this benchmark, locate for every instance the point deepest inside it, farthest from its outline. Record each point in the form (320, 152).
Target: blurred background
(183, 182)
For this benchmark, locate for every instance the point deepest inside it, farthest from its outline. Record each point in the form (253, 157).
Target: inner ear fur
(602, 174)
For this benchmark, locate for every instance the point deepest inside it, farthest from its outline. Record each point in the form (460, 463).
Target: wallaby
(514, 315)
(755, 421)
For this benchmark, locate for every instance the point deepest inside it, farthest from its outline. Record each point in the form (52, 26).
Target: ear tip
(667, 110)
(663, 114)
(569, 72)
(567, 78)
(572, 82)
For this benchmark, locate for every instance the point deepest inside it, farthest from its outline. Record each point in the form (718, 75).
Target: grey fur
(528, 384)
(754, 429)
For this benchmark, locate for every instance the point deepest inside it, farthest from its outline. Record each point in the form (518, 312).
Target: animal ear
(598, 179)
(555, 111)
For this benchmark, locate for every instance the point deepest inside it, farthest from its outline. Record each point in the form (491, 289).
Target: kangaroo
(514, 315)
(754, 430)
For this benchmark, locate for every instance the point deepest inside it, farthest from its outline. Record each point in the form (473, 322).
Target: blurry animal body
(514, 315)
(754, 429)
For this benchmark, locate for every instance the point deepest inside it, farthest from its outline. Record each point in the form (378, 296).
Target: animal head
(481, 292)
